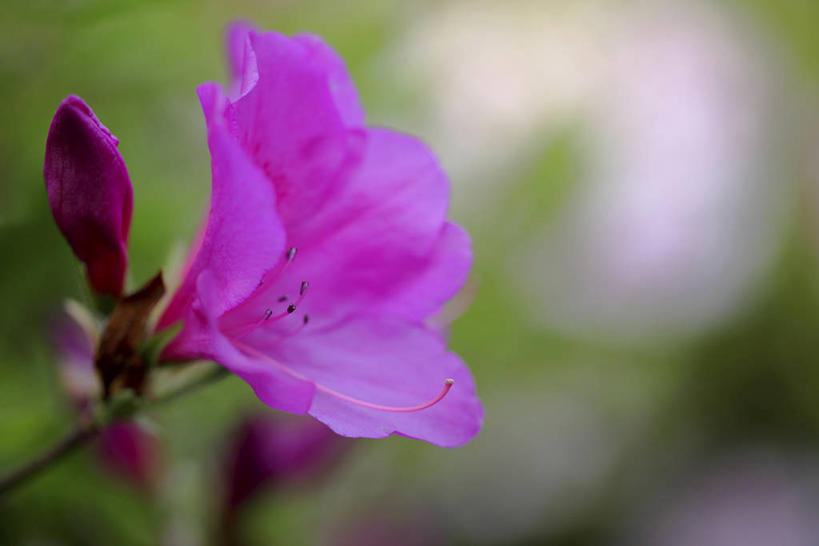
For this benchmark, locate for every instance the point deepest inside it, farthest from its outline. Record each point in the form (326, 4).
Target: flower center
(239, 331)
(242, 330)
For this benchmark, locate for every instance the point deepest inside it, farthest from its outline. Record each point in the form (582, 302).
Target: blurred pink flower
(89, 192)
(267, 451)
(130, 452)
(679, 213)
(75, 356)
(125, 448)
(296, 171)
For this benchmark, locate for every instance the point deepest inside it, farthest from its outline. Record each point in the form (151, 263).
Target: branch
(90, 429)
(211, 376)
(78, 437)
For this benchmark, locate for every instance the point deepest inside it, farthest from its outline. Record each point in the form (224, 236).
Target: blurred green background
(640, 181)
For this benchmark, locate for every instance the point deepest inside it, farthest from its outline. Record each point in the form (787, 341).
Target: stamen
(379, 407)
(394, 409)
(248, 327)
(304, 321)
(280, 267)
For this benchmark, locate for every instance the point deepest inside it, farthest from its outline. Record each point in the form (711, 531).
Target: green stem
(86, 431)
(217, 373)
(78, 437)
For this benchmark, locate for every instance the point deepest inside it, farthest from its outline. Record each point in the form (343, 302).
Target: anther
(291, 308)
(280, 266)
(303, 288)
(282, 299)
(306, 319)
(268, 313)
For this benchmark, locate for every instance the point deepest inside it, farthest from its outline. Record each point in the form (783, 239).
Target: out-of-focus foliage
(591, 436)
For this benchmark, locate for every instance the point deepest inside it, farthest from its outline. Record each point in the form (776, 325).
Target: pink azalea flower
(304, 192)
(89, 192)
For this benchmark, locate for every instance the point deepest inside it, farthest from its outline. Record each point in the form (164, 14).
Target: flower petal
(244, 236)
(241, 58)
(390, 363)
(340, 83)
(202, 338)
(272, 385)
(89, 192)
(383, 242)
(291, 126)
(289, 106)
(275, 387)
(446, 271)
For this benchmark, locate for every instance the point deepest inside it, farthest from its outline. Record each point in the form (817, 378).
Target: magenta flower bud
(89, 192)
(266, 451)
(130, 452)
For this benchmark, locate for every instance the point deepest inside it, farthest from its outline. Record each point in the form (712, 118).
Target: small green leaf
(152, 348)
(124, 404)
